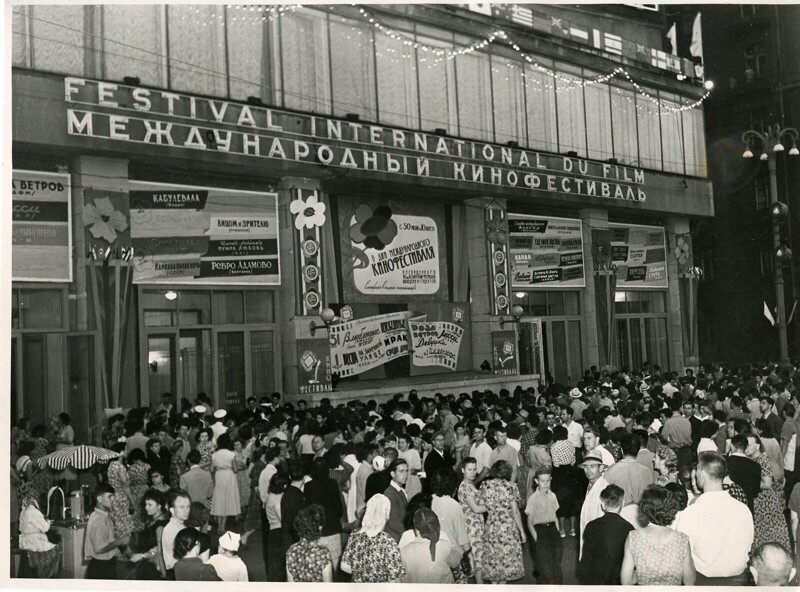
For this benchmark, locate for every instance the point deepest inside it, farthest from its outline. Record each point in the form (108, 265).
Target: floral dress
(42, 479)
(375, 559)
(255, 508)
(242, 478)
(768, 508)
(176, 469)
(305, 561)
(474, 521)
(120, 506)
(502, 548)
(137, 473)
(658, 564)
(206, 449)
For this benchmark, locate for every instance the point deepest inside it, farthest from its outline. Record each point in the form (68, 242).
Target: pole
(783, 347)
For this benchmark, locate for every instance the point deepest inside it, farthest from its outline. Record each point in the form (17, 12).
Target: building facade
(195, 186)
(750, 55)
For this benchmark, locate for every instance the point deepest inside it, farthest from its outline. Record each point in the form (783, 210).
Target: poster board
(546, 252)
(640, 254)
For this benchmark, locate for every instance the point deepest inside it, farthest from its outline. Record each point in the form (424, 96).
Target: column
(591, 219)
(675, 225)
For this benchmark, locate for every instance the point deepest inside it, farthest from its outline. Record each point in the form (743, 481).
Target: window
(509, 101)
(571, 116)
(598, 120)
(197, 53)
(541, 106)
(132, 42)
(38, 309)
(475, 118)
(250, 50)
(671, 134)
(549, 303)
(437, 89)
(755, 61)
(761, 190)
(397, 82)
(58, 39)
(649, 132)
(694, 142)
(623, 117)
(304, 60)
(353, 68)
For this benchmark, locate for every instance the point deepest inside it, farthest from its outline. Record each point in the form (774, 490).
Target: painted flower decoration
(103, 220)
(309, 213)
(682, 250)
(373, 229)
(496, 230)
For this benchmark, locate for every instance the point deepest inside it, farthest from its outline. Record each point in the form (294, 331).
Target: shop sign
(640, 255)
(435, 343)
(362, 344)
(203, 235)
(41, 231)
(545, 252)
(504, 353)
(175, 121)
(313, 366)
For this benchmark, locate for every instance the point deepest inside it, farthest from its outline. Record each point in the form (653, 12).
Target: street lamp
(771, 144)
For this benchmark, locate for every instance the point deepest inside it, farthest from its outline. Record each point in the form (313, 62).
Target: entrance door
(262, 363)
(195, 363)
(231, 368)
(530, 347)
(563, 350)
(642, 339)
(82, 385)
(161, 365)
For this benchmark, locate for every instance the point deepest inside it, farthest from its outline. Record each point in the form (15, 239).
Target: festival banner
(435, 343)
(41, 231)
(640, 254)
(392, 248)
(203, 235)
(504, 353)
(313, 366)
(545, 252)
(362, 344)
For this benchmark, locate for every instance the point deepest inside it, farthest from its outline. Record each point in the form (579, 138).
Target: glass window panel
(636, 343)
(57, 33)
(437, 89)
(249, 64)
(353, 67)
(575, 351)
(41, 309)
(194, 307)
(694, 142)
(259, 307)
(623, 117)
(14, 309)
(156, 300)
(262, 364)
(305, 64)
(659, 299)
(197, 49)
(20, 46)
(651, 341)
(474, 96)
(158, 318)
(228, 308)
(555, 304)
(195, 356)
(527, 354)
(663, 342)
(623, 343)
(397, 82)
(572, 303)
(231, 364)
(541, 106)
(649, 132)
(538, 304)
(571, 117)
(131, 42)
(620, 303)
(509, 101)
(672, 137)
(598, 120)
(559, 336)
(162, 371)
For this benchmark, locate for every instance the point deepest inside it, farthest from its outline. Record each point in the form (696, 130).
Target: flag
(672, 35)
(794, 306)
(696, 47)
(768, 314)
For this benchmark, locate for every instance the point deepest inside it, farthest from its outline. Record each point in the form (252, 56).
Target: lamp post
(770, 141)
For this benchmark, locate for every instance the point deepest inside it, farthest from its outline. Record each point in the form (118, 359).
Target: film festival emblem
(458, 314)
(311, 363)
(346, 313)
(508, 352)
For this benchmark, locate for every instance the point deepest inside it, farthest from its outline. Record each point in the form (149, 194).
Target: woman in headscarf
(429, 559)
(371, 554)
(33, 526)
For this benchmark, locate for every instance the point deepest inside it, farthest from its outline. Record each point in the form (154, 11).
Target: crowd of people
(660, 478)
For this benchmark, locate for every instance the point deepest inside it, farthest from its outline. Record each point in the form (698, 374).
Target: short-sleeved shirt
(375, 559)
(506, 453)
(542, 507)
(306, 560)
(99, 533)
(482, 453)
(563, 453)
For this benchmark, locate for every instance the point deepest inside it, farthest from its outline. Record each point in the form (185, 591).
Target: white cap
(230, 541)
(378, 463)
(220, 413)
(200, 409)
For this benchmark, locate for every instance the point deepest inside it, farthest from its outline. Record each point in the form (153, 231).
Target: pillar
(591, 219)
(675, 225)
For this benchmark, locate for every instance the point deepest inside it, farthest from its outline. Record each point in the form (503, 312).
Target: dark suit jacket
(603, 550)
(326, 493)
(746, 473)
(377, 482)
(435, 461)
(292, 502)
(394, 526)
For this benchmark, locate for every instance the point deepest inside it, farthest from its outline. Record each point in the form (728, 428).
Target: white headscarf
(376, 515)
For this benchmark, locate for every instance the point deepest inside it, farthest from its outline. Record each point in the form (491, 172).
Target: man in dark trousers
(292, 502)
(378, 481)
(744, 471)
(604, 542)
(397, 497)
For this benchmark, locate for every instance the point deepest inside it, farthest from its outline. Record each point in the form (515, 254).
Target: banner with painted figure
(203, 235)
(41, 231)
(435, 343)
(640, 254)
(392, 248)
(313, 366)
(504, 353)
(545, 251)
(362, 344)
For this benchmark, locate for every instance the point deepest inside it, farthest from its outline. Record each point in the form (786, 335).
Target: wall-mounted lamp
(516, 312)
(327, 315)
(171, 295)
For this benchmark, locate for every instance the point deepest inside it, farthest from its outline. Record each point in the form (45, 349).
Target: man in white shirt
(593, 467)
(218, 427)
(720, 528)
(574, 429)
(591, 442)
(179, 504)
(481, 452)
(272, 458)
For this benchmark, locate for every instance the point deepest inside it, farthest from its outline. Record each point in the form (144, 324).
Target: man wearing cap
(577, 404)
(229, 566)
(593, 467)
(218, 427)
